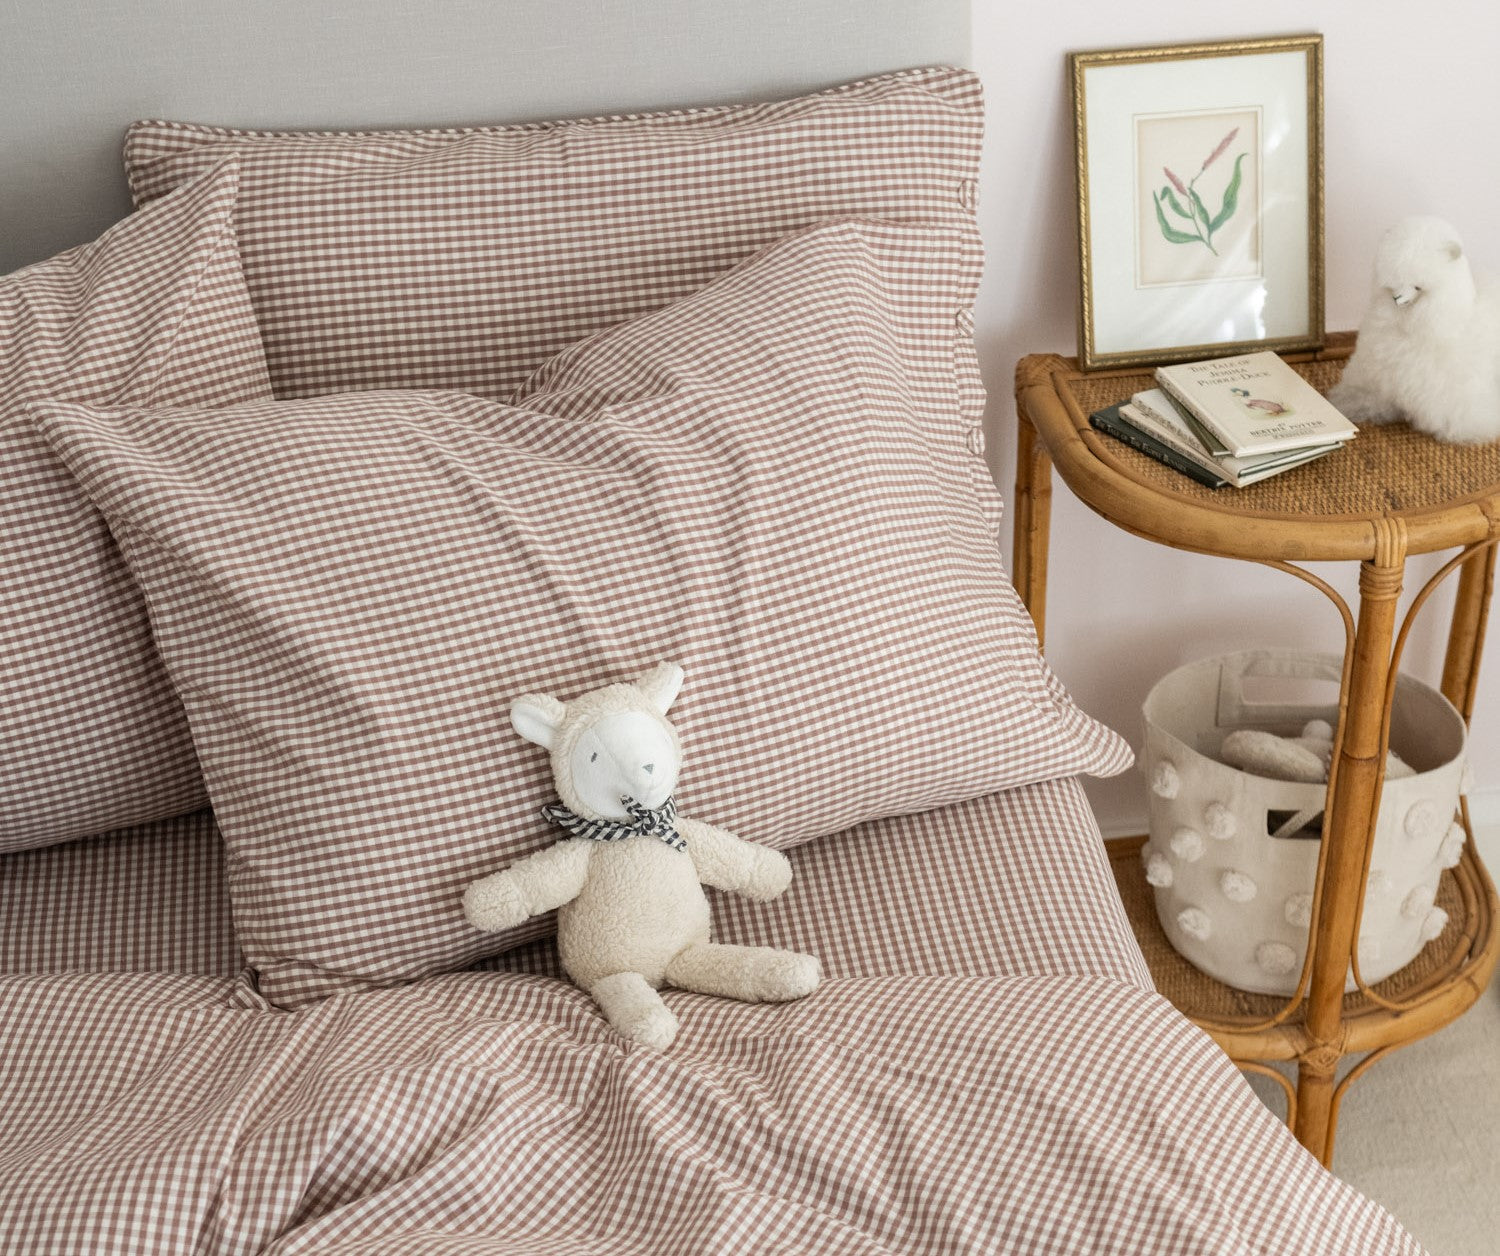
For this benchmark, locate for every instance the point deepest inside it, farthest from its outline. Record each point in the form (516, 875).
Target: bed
(345, 438)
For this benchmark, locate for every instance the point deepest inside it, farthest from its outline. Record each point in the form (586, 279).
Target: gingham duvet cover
(485, 1112)
(1029, 1093)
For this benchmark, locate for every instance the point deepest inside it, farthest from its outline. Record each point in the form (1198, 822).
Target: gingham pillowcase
(774, 482)
(464, 258)
(154, 312)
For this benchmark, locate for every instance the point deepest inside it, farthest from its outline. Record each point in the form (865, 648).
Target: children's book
(1110, 422)
(1170, 440)
(1255, 403)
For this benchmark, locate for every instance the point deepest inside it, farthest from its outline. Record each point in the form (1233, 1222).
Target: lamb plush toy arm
(728, 862)
(538, 883)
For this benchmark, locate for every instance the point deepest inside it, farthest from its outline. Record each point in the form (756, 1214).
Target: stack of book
(1229, 420)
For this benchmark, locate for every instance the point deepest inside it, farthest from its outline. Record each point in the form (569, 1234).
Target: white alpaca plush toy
(628, 879)
(1429, 345)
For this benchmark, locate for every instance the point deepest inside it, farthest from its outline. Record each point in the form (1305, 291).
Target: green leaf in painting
(1169, 232)
(1231, 197)
(1200, 216)
(1173, 203)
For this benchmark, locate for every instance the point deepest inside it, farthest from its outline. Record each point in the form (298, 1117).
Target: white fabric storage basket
(1230, 856)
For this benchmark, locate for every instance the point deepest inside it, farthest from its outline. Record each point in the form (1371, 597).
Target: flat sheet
(496, 1113)
(1015, 883)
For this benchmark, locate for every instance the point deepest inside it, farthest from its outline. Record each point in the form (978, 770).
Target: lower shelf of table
(1433, 990)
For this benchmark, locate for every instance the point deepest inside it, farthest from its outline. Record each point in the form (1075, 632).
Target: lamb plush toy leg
(755, 974)
(635, 1009)
(752, 974)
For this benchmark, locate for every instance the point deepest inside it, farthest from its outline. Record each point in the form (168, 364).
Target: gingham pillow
(464, 258)
(774, 482)
(154, 312)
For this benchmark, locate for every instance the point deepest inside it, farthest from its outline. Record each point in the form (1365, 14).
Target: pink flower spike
(1176, 182)
(1219, 152)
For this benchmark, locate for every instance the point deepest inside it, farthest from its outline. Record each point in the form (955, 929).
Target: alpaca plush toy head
(610, 744)
(1429, 344)
(1420, 259)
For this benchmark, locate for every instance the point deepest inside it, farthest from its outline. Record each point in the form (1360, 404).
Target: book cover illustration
(1262, 405)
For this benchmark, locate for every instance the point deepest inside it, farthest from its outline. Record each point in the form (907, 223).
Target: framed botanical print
(1200, 199)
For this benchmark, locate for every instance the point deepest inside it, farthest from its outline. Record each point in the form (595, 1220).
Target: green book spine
(1110, 422)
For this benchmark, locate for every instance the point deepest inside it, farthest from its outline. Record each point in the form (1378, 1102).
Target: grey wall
(73, 73)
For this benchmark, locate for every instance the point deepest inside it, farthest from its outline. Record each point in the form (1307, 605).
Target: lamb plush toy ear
(661, 685)
(537, 718)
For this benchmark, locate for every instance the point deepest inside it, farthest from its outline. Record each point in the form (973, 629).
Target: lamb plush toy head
(627, 878)
(610, 744)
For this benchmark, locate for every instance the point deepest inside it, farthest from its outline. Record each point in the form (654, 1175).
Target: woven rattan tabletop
(1443, 495)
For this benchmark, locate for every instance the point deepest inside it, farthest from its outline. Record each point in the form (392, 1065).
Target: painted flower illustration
(1183, 201)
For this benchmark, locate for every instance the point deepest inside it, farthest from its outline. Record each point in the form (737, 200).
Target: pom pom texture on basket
(1232, 853)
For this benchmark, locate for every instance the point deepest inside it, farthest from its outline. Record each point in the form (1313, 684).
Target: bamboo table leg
(1348, 826)
(1033, 521)
(1476, 581)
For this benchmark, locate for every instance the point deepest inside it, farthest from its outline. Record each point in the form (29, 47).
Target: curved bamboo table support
(1389, 495)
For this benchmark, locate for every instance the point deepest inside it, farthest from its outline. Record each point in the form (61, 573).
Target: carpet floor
(1420, 1132)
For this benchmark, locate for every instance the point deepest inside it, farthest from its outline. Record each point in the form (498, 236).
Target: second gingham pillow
(774, 482)
(154, 312)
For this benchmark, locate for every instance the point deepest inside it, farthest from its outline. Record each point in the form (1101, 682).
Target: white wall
(1412, 106)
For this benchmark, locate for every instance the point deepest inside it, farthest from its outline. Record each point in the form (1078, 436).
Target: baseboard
(1127, 828)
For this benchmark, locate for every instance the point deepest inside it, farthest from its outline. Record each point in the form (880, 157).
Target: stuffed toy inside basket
(1232, 856)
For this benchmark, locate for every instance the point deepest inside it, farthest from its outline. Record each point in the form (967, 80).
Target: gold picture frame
(1200, 199)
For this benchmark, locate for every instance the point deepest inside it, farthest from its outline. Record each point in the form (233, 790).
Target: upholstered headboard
(76, 72)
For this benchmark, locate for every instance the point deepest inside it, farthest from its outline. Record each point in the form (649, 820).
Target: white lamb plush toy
(1306, 758)
(1429, 345)
(628, 881)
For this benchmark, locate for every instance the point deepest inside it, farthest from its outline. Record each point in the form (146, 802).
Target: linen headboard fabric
(75, 76)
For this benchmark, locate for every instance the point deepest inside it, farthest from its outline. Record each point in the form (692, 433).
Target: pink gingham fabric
(152, 898)
(1011, 884)
(495, 1113)
(775, 482)
(464, 258)
(154, 312)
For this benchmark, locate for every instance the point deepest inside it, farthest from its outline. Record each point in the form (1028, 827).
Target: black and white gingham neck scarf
(643, 822)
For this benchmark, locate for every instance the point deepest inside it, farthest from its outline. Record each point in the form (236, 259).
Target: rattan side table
(1390, 494)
